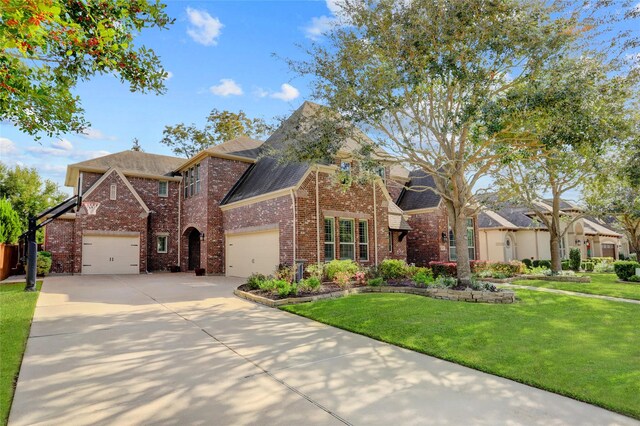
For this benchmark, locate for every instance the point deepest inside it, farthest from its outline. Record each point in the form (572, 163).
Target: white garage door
(110, 254)
(256, 252)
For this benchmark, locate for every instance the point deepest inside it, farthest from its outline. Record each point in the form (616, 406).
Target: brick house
(233, 209)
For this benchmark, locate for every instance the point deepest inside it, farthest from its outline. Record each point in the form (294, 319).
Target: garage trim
(253, 229)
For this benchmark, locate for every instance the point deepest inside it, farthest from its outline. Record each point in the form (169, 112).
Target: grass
(16, 312)
(587, 349)
(603, 284)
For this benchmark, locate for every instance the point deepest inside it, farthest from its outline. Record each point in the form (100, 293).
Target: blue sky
(218, 54)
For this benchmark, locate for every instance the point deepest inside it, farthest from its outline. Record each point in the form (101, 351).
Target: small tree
(135, 145)
(188, 140)
(575, 258)
(10, 225)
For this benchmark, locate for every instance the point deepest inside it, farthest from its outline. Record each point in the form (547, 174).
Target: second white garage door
(110, 254)
(256, 252)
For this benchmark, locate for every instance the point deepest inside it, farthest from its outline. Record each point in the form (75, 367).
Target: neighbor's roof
(490, 219)
(129, 162)
(420, 197)
(593, 226)
(242, 146)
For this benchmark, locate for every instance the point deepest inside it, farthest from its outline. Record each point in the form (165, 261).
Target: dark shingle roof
(420, 198)
(486, 221)
(242, 146)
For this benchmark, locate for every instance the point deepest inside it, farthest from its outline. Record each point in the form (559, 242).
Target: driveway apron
(180, 349)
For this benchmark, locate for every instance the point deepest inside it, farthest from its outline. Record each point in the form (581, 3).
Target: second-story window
(197, 173)
(163, 188)
(192, 181)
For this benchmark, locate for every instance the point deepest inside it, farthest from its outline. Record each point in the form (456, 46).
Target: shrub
(527, 262)
(587, 266)
(565, 264)
(478, 266)
(43, 263)
(544, 264)
(506, 269)
(575, 257)
(603, 267)
(634, 257)
(285, 288)
(315, 270)
(392, 269)
(254, 281)
(310, 284)
(336, 266)
(445, 269)
(285, 272)
(10, 225)
(597, 260)
(342, 279)
(634, 278)
(624, 269)
(267, 285)
(372, 272)
(423, 277)
(376, 282)
(360, 277)
(444, 282)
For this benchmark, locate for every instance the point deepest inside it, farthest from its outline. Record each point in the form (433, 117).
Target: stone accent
(436, 293)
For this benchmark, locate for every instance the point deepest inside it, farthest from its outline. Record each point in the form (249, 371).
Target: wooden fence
(8, 259)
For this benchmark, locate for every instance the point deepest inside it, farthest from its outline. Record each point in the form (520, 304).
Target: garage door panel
(110, 255)
(257, 252)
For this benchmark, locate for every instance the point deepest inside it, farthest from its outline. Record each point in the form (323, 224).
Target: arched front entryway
(193, 248)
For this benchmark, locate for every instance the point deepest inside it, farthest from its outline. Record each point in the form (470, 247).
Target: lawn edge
(630, 414)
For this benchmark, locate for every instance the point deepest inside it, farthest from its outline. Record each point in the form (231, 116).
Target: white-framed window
(347, 239)
(163, 188)
(563, 249)
(471, 242)
(191, 181)
(329, 239)
(113, 191)
(363, 240)
(345, 166)
(197, 173)
(186, 183)
(161, 243)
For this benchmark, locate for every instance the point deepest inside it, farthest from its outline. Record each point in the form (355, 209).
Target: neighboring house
(431, 238)
(513, 232)
(231, 209)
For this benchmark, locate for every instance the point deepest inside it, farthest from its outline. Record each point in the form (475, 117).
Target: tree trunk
(555, 234)
(462, 250)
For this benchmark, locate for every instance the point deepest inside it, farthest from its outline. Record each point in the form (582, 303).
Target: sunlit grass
(16, 312)
(588, 349)
(603, 284)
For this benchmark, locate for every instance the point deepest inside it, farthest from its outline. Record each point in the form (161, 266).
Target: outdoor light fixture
(202, 236)
(444, 237)
(578, 242)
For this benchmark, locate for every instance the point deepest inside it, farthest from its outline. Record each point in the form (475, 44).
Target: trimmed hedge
(445, 269)
(625, 269)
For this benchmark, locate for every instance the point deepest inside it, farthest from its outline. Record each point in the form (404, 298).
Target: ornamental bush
(336, 266)
(444, 269)
(565, 264)
(393, 269)
(527, 262)
(43, 263)
(588, 266)
(625, 269)
(575, 257)
(254, 281)
(634, 278)
(423, 278)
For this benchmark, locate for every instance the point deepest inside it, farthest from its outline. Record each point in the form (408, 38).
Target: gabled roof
(242, 146)
(128, 162)
(490, 219)
(593, 226)
(87, 194)
(417, 195)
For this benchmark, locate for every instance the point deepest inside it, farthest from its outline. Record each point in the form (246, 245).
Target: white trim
(353, 234)
(126, 183)
(360, 243)
(71, 173)
(166, 194)
(253, 229)
(333, 235)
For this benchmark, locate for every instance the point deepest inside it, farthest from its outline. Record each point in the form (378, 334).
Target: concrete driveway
(180, 349)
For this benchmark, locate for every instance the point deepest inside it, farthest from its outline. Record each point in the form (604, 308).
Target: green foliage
(603, 284)
(603, 266)
(46, 47)
(566, 264)
(43, 263)
(336, 266)
(597, 260)
(282, 288)
(587, 266)
(527, 262)
(625, 268)
(316, 270)
(393, 269)
(634, 278)
(309, 284)
(542, 264)
(285, 272)
(575, 257)
(27, 192)
(222, 126)
(10, 225)
(254, 281)
(423, 278)
(444, 281)
(376, 282)
(343, 279)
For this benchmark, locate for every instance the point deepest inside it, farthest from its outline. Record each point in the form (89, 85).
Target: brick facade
(60, 241)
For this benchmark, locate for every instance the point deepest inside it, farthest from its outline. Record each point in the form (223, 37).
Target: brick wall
(122, 214)
(60, 241)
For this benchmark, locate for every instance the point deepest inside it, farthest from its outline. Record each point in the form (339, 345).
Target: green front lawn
(604, 284)
(16, 312)
(588, 349)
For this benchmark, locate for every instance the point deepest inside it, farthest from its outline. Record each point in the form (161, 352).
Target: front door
(194, 249)
(508, 249)
(609, 250)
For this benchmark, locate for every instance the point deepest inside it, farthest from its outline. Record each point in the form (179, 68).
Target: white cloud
(287, 93)
(204, 28)
(95, 134)
(53, 169)
(334, 7)
(226, 87)
(260, 92)
(78, 155)
(319, 26)
(63, 144)
(7, 147)
(169, 75)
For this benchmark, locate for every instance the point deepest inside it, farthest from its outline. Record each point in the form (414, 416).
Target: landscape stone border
(504, 296)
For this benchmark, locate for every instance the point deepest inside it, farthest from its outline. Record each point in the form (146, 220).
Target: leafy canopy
(47, 46)
(10, 225)
(188, 140)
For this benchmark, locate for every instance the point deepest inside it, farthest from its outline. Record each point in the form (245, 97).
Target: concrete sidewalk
(179, 349)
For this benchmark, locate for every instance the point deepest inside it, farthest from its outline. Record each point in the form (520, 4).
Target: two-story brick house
(231, 209)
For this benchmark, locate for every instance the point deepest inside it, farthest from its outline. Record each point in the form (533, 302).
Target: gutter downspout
(537, 252)
(179, 219)
(375, 223)
(293, 206)
(317, 217)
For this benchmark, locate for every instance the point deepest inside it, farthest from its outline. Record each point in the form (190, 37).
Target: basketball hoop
(91, 207)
